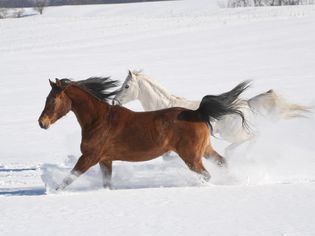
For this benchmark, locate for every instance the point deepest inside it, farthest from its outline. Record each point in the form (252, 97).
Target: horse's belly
(138, 156)
(138, 145)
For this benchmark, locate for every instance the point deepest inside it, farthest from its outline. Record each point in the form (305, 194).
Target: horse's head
(57, 104)
(129, 91)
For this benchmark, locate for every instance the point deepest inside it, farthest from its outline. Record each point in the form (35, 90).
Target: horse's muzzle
(43, 123)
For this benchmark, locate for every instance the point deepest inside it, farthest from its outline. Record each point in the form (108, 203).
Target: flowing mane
(96, 86)
(158, 88)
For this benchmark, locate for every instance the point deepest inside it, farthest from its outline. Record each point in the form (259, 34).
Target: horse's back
(264, 103)
(181, 102)
(271, 104)
(167, 113)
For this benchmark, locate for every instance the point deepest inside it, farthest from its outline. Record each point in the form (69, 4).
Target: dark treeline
(30, 3)
(259, 3)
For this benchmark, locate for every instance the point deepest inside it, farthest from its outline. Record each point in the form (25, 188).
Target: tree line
(31, 3)
(258, 3)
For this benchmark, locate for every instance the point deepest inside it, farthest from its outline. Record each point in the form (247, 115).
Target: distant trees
(39, 5)
(241, 3)
(15, 13)
(16, 3)
(30, 3)
(3, 13)
(18, 12)
(229, 3)
(257, 3)
(14, 8)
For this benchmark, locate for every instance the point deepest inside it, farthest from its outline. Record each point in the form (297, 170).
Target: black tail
(214, 107)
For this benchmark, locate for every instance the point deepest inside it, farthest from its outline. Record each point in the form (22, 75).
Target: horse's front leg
(82, 165)
(106, 169)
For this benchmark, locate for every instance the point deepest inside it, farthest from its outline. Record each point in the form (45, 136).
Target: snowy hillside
(192, 48)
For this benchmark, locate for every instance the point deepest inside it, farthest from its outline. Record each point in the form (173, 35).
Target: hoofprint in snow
(193, 48)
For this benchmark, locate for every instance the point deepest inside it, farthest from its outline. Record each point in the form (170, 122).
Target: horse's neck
(153, 97)
(86, 107)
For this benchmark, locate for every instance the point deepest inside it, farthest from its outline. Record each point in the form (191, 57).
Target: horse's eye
(127, 86)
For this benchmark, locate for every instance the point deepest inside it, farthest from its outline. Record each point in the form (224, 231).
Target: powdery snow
(192, 48)
(172, 211)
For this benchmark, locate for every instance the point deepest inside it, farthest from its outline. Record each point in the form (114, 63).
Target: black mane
(97, 86)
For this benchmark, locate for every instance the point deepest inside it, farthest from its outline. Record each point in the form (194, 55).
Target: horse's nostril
(40, 124)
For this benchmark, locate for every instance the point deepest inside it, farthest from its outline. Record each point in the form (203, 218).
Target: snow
(192, 48)
(173, 211)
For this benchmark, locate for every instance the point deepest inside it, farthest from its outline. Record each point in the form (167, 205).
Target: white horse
(230, 128)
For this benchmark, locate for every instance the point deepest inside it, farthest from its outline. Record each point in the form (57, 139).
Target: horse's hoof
(109, 187)
(222, 163)
(205, 177)
(59, 188)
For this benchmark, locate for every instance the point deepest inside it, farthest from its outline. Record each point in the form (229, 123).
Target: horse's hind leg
(195, 164)
(198, 167)
(106, 169)
(210, 153)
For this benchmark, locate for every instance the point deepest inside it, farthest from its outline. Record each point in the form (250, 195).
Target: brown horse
(112, 133)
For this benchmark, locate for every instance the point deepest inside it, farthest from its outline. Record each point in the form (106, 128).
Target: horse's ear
(131, 74)
(52, 84)
(63, 83)
(58, 83)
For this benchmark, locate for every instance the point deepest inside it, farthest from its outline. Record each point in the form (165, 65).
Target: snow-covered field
(193, 48)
